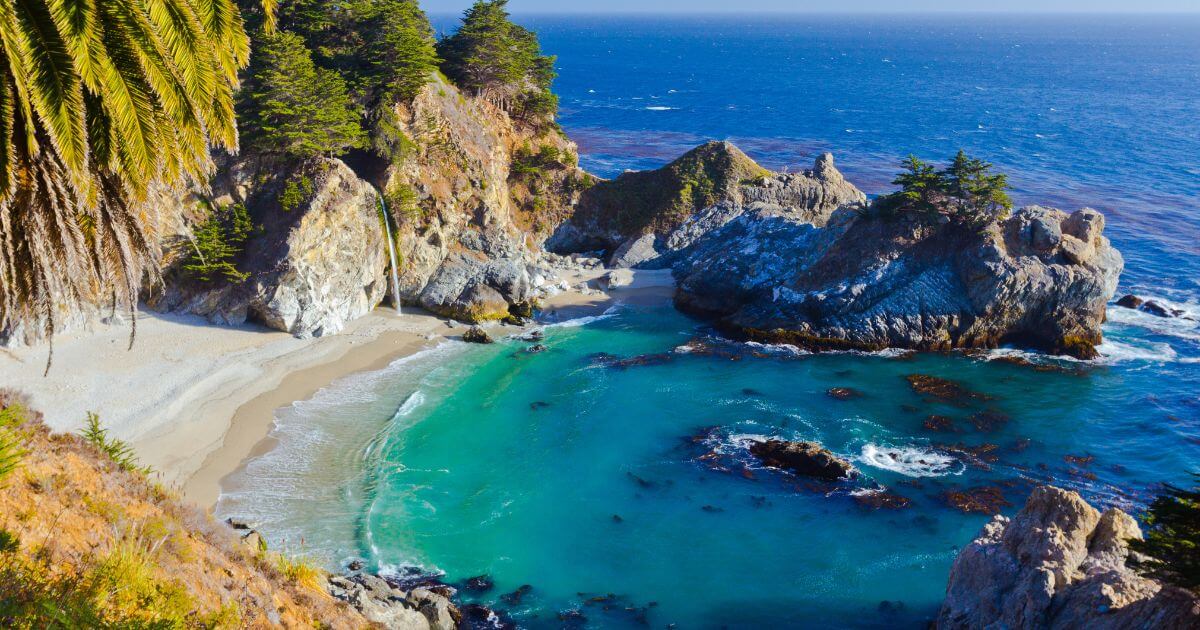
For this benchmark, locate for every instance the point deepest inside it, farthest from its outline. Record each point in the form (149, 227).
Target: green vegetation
(120, 452)
(100, 101)
(492, 57)
(1172, 541)
(662, 199)
(292, 107)
(527, 163)
(217, 243)
(295, 192)
(398, 47)
(966, 190)
(401, 200)
(12, 448)
(120, 589)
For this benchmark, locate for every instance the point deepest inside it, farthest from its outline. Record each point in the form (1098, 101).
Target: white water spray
(387, 229)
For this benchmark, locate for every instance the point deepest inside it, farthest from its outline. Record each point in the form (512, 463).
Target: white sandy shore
(196, 399)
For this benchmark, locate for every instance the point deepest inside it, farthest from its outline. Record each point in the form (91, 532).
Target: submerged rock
(944, 390)
(802, 458)
(843, 393)
(1059, 563)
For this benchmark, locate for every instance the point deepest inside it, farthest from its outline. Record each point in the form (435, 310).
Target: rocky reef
(1059, 563)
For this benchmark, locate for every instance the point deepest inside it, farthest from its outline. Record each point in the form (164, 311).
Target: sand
(197, 400)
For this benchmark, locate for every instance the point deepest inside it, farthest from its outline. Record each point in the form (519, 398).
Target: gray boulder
(311, 269)
(1059, 563)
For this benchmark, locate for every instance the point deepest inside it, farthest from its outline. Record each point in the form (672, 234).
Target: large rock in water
(644, 218)
(311, 269)
(1041, 278)
(1059, 563)
(803, 458)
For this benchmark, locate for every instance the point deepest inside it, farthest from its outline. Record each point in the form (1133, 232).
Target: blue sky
(842, 6)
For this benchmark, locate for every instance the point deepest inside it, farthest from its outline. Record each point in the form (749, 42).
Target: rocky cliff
(1041, 278)
(643, 219)
(469, 194)
(1059, 563)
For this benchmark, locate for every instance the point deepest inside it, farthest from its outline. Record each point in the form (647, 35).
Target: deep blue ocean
(621, 495)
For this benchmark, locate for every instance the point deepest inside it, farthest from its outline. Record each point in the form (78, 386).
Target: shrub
(402, 200)
(120, 452)
(217, 242)
(12, 449)
(295, 192)
(1172, 542)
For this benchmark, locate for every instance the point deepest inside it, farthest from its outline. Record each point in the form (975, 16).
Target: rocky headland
(1060, 563)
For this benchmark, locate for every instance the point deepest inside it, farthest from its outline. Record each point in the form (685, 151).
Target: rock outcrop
(808, 459)
(393, 608)
(465, 224)
(1041, 278)
(642, 219)
(1059, 563)
(310, 268)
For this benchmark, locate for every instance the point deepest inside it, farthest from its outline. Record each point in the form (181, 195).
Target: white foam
(589, 319)
(1186, 326)
(1112, 351)
(911, 461)
(661, 108)
(410, 404)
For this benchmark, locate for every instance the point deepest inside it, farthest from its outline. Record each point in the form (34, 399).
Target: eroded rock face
(1040, 278)
(803, 458)
(311, 269)
(1059, 563)
(643, 219)
(393, 608)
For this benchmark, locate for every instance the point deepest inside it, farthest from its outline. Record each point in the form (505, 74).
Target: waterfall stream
(387, 229)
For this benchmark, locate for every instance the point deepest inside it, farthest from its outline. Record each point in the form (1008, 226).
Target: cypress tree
(398, 47)
(292, 107)
(491, 56)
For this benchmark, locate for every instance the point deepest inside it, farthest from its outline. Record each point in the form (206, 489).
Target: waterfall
(387, 229)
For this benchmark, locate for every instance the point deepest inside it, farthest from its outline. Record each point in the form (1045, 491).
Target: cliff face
(465, 223)
(482, 191)
(1059, 563)
(642, 219)
(310, 268)
(1041, 278)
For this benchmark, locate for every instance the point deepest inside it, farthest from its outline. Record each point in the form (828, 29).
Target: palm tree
(103, 102)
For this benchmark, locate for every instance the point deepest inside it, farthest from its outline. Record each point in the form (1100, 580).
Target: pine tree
(292, 107)
(398, 47)
(974, 190)
(919, 184)
(491, 56)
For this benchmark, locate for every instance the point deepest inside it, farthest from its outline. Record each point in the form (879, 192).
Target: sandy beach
(196, 400)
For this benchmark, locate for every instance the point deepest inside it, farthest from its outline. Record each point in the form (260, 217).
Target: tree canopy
(292, 107)
(967, 190)
(491, 56)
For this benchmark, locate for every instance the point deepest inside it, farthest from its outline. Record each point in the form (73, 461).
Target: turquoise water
(472, 460)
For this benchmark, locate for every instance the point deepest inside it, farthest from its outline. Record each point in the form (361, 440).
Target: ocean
(621, 493)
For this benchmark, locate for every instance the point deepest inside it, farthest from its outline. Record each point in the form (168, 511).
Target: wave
(661, 108)
(1186, 326)
(911, 461)
(612, 311)
(1112, 351)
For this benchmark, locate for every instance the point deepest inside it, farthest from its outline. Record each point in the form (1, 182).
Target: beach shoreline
(198, 400)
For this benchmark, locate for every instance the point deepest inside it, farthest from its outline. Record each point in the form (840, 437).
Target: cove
(609, 472)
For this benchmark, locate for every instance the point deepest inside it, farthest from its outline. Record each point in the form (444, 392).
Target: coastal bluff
(1059, 563)
(806, 259)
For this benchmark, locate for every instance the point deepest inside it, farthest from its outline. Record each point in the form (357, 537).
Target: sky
(826, 6)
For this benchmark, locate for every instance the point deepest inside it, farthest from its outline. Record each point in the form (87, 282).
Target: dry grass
(87, 543)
